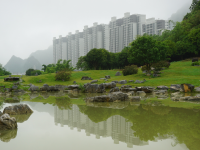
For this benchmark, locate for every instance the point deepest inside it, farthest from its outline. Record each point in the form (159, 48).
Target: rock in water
(18, 109)
(187, 87)
(1, 113)
(7, 123)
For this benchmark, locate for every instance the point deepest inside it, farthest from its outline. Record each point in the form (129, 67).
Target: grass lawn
(178, 73)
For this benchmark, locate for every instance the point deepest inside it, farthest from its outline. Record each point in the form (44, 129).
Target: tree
(82, 64)
(45, 67)
(28, 72)
(146, 51)
(64, 65)
(97, 59)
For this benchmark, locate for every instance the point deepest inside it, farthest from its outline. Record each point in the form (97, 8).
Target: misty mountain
(44, 56)
(178, 16)
(18, 65)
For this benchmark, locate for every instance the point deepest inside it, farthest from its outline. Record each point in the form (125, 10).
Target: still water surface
(121, 126)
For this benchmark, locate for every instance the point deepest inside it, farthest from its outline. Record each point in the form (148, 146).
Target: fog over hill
(178, 16)
(44, 56)
(17, 65)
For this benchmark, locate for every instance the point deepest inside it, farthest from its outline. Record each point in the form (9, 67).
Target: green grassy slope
(178, 73)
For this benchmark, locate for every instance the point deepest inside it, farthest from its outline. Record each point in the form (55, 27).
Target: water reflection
(134, 124)
(6, 136)
(116, 126)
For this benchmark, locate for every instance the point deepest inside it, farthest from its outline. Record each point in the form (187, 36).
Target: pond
(125, 125)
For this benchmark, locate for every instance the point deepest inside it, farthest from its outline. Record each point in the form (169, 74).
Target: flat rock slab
(18, 109)
(11, 79)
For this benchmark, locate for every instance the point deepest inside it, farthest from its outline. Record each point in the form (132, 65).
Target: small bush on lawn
(161, 64)
(129, 70)
(196, 63)
(33, 73)
(63, 75)
(144, 68)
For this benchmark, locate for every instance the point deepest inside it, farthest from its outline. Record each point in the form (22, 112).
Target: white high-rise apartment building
(113, 37)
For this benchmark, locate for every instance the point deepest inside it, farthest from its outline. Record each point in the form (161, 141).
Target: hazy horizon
(27, 26)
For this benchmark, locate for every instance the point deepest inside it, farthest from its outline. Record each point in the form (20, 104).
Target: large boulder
(33, 88)
(197, 89)
(146, 89)
(94, 81)
(94, 88)
(71, 87)
(107, 77)
(115, 81)
(187, 87)
(128, 89)
(109, 85)
(45, 87)
(122, 82)
(176, 88)
(138, 81)
(118, 74)
(18, 109)
(53, 89)
(7, 122)
(115, 96)
(162, 87)
(115, 89)
(86, 78)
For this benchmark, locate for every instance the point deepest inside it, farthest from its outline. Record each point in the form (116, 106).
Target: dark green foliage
(129, 70)
(147, 51)
(81, 64)
(144, 68)
(161, 64)
(28, 72)
(3, 71)
(196, 63)
(63, 75)
(33, 73)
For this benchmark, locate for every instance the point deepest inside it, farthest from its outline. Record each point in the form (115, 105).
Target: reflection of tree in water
(155, 122)
(6, 136)
(63, 103)
(21, 118)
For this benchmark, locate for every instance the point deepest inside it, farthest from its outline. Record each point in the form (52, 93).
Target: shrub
(63, 75)
(28, 72)
(144, 68)
(129, 70)
(196, 63)
(159, 65)
(36, 71)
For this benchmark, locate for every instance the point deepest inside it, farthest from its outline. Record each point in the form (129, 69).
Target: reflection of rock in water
(21, 118)
(14, 99)
(33, 95)
(119, 105)
(6, 136)
(115, 127)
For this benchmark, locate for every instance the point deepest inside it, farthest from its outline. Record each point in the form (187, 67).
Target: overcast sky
(30, 25)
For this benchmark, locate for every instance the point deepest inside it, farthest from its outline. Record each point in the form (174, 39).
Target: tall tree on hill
(146, 51)
(97, 59)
